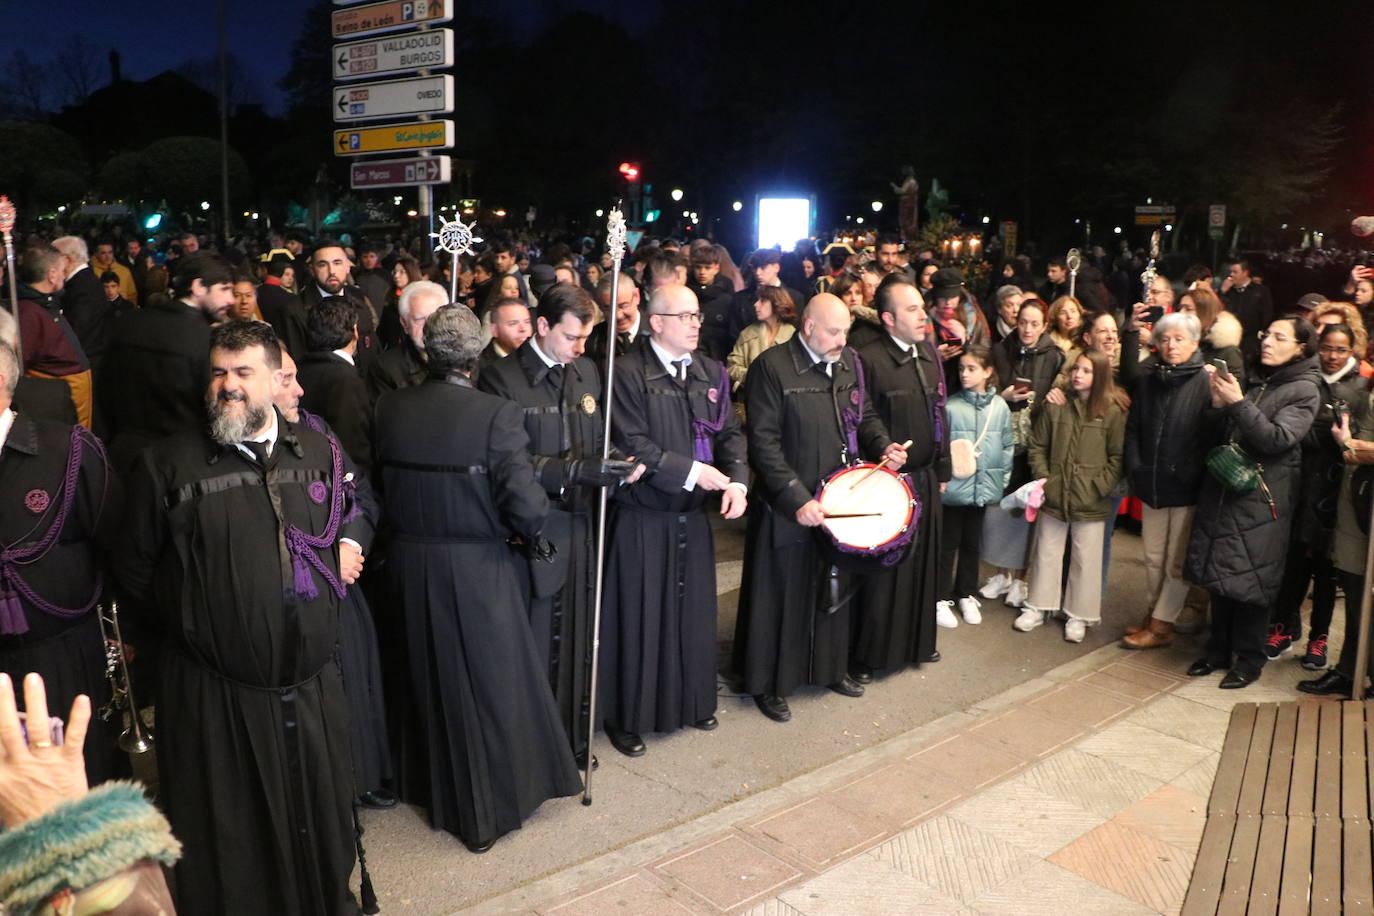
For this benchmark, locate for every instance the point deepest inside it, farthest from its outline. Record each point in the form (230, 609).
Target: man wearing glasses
(658, 634)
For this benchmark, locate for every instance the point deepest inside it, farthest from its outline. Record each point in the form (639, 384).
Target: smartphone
(1021, 384)
(1222, 369)
(1341, 411)
(1154, 313)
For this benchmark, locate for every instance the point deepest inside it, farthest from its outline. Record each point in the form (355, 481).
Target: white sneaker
(1075, 629)
(996, 587)
(944, 615)
(1017, 594)
(969, 607)
(1028, 620)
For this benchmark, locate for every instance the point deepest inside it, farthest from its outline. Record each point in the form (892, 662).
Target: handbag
(963, 453)
(1239, 473)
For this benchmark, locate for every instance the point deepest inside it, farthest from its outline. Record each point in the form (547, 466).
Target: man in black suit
(329, 268)
(333, 388)
(280, 307)
(1250, 302)
(83, 300)
(630, 325)
(510, 327)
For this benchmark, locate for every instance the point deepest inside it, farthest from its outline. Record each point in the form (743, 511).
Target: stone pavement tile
(1025, 734)
(896, 795)
(1170, 814)
(727, 871)
(631, 895)
(865, 886)
(1196, 723)
(973, 763)
(1266, 690)
(1151, 678)
(1132, 863)
(1171, 661)
(1142, 749)
(774, 907)
(1080, 704)
(816, 831)
(1198, 777)
(1026, 817)
(1045, 889)
(1092, 783)
(955, 857)
(1125, 687)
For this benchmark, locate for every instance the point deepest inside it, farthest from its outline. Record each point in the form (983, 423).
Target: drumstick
(905, 445)
(851, 514)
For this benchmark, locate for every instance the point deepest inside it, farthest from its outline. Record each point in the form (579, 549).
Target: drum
(874, 512)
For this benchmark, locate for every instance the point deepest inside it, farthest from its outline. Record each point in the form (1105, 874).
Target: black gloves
(597, 472)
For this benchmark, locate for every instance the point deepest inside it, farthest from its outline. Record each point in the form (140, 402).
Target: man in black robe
(454, 473)
(156, 368)
(658, 635)
(403, 365)
(51, 574)
(333, 388)
(239, 548)
(630, 325)
(282, 308)
(895, 609)
(559, 392)
(330, 272)
(808, 416)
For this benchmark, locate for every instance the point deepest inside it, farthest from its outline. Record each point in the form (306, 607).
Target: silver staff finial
(455, 237)
(615, 235)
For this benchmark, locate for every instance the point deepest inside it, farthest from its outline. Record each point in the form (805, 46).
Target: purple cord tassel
(304, 581)
(701, 444)
(12, 621)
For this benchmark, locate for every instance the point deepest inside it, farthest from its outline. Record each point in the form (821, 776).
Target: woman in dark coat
(1342, 391)
(1031, 354)
(1239, 540)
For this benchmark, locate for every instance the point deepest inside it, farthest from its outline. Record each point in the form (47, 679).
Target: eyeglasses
(1336, 351)
(684, 317)
(1278, 338)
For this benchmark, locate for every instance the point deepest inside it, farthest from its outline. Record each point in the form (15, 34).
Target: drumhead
(860, 489)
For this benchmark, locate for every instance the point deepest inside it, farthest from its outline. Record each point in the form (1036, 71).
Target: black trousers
(1305, 564)
(1238, 630)
(962, 533)
(1353, 586)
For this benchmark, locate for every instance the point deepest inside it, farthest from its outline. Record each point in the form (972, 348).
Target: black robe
(564, 423)
(895, 608)
(402, 366)
(784, 636)
(658, 629)
(66, 649)
(334, 390)
(365, 312)
(456, 483)
(285, 312)
(252, 736)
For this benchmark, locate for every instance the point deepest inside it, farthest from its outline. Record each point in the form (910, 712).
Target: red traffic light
(630, 170)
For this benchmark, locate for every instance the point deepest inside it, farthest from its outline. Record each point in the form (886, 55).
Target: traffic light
(630, 170)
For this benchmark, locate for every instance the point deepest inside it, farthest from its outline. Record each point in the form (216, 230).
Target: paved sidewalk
(1080, 791)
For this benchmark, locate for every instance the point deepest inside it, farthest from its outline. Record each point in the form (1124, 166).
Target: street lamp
(205, 205)
(675, 194)
(737, 206)
(877, 206)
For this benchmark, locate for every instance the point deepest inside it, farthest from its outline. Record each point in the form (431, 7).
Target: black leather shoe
(707, 724)
(1330, 684)
(932, 657)
(775, 708)
(1201, 667)
(378, 798)
(1237, 678)
(479, 849)
(628, 743)
(581, 760)
(862, 674)
(847, 687)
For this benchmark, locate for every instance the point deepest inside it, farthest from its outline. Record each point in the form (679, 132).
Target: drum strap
(834, 599)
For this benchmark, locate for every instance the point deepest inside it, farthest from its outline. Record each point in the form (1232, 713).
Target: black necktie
(259, 450)
(680, 370)
(625, 339)
(556, 376)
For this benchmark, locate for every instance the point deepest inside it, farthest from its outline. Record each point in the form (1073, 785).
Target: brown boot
(1157, 635)
(1137, 627)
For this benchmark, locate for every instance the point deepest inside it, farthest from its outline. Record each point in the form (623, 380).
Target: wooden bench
(1288, 821)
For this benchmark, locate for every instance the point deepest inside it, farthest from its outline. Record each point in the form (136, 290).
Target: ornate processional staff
(615, 245)
(457, 239)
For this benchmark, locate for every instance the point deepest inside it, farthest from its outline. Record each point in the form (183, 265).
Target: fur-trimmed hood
(1225, 332)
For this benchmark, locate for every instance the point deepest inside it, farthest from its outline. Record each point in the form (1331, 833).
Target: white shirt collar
(667, 359)
(345, 355)
(809, 352)
(326, 294)
(270, 437)
(534, 344)
(79, 268)
(6, 424)
(909, 349)
(634, 328)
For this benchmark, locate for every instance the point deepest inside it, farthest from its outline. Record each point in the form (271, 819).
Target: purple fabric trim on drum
(702, 430)
(12, 585)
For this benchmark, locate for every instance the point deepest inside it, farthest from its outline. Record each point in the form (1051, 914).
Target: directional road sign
(388, 16)
(394, 138)
(398, 173)
(393, 98)
(432, 48)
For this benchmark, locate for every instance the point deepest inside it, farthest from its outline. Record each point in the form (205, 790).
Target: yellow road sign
(411, 135)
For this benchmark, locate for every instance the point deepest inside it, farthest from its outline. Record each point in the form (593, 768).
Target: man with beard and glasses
(241, 543)
(330, 276)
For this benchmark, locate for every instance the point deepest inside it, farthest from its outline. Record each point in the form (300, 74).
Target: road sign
(1155, 215)
(1216, 221)
(399, 173)
(393, 98)
(432, 48)
(394, 138)
(388, 16)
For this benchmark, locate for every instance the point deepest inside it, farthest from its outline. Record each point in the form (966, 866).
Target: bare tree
(77, 69)
(25, 88)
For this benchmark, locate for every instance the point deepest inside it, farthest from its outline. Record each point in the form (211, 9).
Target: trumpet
(137, 738)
